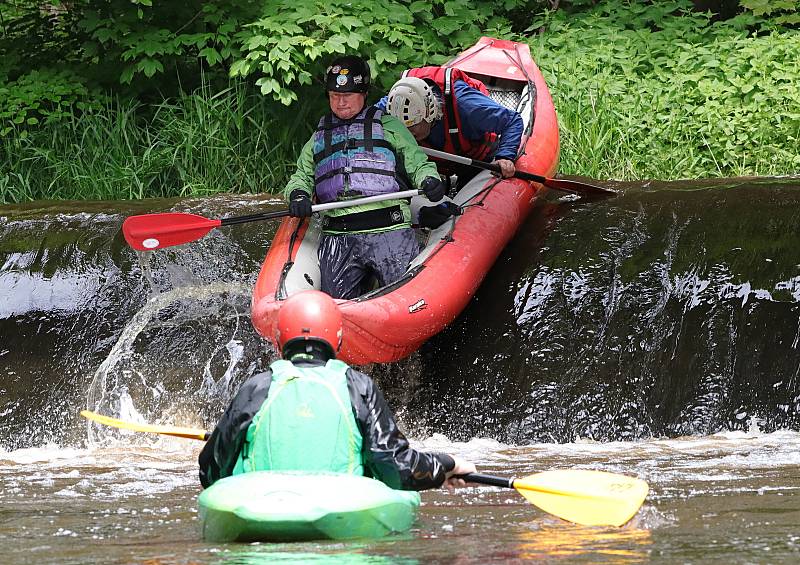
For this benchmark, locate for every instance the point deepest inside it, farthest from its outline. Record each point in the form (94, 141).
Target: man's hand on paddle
(462, 467)
(299, 204)
(434, 188)
(507, 168)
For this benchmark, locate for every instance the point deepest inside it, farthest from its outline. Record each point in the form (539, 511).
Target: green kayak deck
(297, 506)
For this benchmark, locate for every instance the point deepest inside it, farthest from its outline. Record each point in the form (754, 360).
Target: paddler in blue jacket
(312, 412)
(447, 110)
(357, 151)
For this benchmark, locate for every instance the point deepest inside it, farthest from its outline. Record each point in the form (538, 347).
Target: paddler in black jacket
(311, 412)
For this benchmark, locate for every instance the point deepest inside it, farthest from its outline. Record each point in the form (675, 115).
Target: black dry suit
(385, 451)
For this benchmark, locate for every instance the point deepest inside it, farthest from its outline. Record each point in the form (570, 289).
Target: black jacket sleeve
(387, 454)
(219, 455)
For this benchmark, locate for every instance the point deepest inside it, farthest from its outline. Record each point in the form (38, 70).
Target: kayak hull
(392, 322)
(301, 506)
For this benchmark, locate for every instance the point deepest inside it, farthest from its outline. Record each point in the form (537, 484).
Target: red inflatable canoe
(391, 322)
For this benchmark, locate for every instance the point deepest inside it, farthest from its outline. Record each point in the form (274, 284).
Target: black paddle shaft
(488, 480)
(253, 218)
(567, 185)
(480, 164)
(517, 174)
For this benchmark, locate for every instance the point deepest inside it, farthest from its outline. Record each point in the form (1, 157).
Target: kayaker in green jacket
(357, 151)
(311, 412)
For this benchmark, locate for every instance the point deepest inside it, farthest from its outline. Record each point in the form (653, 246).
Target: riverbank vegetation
(208, 97)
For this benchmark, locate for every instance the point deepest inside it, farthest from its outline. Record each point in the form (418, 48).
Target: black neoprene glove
(299, 204)
(434, 188)
(434, 216)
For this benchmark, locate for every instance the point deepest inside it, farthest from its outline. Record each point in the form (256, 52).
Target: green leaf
(104, 34)
(384, 54)
(354, 39)
(212, 55)
(334, 44)
(127, 74)
(240, 68)
(150, 66)
(268, 84)
(304, 77)
(287, 96)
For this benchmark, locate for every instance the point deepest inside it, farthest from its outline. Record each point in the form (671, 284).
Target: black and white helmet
(349, 73)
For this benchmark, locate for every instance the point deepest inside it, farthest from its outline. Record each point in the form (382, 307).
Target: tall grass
(198, 144)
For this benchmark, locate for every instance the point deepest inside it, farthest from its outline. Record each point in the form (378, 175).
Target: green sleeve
(303, 177)
(416, 162)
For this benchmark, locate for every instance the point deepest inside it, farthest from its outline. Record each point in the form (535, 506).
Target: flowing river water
(655, 334)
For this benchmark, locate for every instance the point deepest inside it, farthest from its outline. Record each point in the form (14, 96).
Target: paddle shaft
(174, 431)
(502, 482)
(566, 185)
(155, 231)
(490, 480)
(321, 207)
(480, 164)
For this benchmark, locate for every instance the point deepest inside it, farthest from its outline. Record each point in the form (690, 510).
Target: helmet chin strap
(308, 350)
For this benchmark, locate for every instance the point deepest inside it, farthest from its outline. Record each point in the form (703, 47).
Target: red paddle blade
(154, 231)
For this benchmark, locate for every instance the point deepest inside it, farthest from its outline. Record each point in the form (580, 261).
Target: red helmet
(310, 315)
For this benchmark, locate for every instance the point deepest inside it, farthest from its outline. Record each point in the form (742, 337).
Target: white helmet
(411, 100)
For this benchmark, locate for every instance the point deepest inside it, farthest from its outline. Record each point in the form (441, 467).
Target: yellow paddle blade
(590, 498)
(191, 433)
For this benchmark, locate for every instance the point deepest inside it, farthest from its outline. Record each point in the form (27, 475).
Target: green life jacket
(305, 424)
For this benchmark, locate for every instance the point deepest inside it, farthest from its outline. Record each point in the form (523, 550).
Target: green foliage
(125, 41)
(292, 42)
(660, 92)
(780, 11)
(642, 89)
(198, 144)
(42, 97)
(148, 37)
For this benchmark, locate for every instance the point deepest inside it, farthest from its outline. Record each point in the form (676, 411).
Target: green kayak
(296, 506)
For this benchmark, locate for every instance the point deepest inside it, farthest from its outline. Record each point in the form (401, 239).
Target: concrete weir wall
(672, 309)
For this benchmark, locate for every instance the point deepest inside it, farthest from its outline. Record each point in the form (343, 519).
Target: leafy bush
(781, 11)
(293, 41)
(656, 91)
(642, 89)
(42, 97)
(142, 38)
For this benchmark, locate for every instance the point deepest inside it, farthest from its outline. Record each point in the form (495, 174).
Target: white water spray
(130, 386)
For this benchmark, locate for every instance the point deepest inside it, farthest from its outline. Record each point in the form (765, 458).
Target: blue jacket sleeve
(480, 114)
